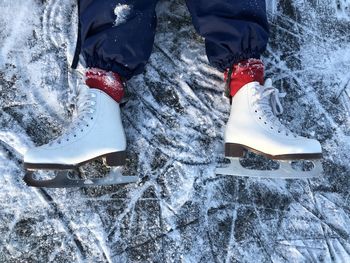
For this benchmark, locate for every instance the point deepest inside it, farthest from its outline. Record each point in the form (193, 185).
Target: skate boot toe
(311, 147)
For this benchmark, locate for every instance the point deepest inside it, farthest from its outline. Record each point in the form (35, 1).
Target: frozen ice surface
(174, 117)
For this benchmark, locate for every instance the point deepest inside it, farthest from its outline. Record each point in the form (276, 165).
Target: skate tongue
(268, 83)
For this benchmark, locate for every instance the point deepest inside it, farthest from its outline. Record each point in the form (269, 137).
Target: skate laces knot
(269, 102)
(274, 95)
(85, 107)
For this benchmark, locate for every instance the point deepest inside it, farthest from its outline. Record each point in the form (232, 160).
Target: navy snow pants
(233, 30)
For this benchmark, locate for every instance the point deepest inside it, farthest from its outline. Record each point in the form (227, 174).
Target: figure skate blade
(63, 180)
(285, 170)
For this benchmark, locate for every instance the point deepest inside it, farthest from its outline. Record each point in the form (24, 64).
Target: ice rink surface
(174, 115)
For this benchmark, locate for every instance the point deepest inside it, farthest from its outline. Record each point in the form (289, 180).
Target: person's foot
(253, 126)
(95, 132)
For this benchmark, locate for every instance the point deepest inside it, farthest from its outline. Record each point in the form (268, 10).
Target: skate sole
(238, 150)
(111, 159)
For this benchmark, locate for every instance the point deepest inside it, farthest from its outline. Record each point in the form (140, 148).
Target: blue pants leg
(123, 48)
(233, 29)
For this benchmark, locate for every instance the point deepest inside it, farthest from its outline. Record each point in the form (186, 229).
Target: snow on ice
(174, 117)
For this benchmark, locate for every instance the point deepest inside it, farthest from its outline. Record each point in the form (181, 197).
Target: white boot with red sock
(253, 126)
(96, 132)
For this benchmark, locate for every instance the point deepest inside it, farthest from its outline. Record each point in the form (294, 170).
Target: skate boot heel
(115, 159)
(234, 150)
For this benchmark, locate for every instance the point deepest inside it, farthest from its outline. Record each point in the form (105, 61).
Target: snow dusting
(174, 115)
(122, 12)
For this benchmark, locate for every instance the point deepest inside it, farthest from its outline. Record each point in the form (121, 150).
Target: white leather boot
(253, 126)
(96, 132)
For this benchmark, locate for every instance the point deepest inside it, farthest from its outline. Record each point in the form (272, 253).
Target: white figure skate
(96, 132)
(253, 126)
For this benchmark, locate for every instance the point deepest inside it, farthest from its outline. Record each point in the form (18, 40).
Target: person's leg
(116, 42)
(236, 34)
(117, 35)
(234, 30)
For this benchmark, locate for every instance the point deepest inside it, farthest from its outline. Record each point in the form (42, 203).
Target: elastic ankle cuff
(107, 81)
(242, 73)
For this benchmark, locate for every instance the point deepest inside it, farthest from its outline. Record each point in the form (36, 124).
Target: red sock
(107, 81)
(244, 72)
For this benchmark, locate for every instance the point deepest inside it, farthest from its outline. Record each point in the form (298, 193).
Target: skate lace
(82, 116)
(268, 100)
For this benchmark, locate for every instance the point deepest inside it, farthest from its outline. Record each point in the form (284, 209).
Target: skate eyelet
(256, 111)
(271, 128)
(92, 118)
(259, 118)
(265, 122)
(87, 125)
(81, 130)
